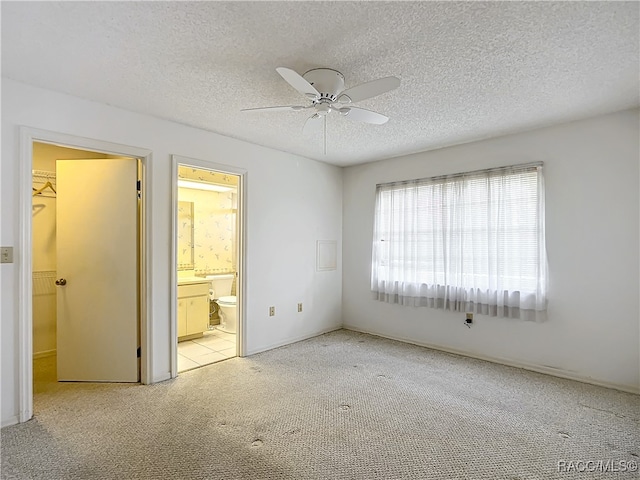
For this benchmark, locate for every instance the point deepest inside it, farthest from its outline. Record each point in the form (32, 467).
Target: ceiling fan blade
(296, 81)
(294, 108)
(362, 115)
(314, 125)
(368, 90)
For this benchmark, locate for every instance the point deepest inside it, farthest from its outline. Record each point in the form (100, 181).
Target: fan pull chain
(325, 134)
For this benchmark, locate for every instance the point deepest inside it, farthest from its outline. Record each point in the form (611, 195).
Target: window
(471, 242)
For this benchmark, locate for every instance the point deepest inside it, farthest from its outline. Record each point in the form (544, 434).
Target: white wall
(292, 202)
(592, 194)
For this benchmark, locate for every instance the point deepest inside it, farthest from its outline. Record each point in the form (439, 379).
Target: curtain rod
(462, 174)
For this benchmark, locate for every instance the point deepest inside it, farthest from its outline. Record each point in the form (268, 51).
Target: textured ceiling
(468, 70)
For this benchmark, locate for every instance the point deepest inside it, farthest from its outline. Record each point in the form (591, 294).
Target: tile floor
(210, 348)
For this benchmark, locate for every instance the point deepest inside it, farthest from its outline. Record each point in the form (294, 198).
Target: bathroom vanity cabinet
(193, 310)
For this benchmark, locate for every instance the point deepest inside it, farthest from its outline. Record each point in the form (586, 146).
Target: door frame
(28, 136)
(241, 239)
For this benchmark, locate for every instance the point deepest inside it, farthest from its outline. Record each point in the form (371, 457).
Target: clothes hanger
(46, 185)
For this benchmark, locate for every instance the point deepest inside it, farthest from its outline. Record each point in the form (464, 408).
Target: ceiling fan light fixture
(323, 109)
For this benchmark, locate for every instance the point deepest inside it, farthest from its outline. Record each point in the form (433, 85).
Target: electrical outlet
(299, 307)
(6, 254)
(272, 311)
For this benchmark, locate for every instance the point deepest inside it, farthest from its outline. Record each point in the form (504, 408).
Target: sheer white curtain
(472, 242)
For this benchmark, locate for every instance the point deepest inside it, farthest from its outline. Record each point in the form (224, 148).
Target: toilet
(220, 291)
(228, 317)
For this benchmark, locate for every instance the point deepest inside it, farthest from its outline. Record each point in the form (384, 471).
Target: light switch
(6, 254)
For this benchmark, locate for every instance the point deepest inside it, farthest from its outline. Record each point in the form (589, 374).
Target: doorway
(85, 319)
(37, 272)
(208, 213)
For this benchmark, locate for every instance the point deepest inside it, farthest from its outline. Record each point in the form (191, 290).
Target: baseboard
(7, 422)
(293, 340)
(44, 354)
(554, 372)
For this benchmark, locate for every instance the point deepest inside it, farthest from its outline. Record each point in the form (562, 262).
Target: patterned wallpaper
(185, 236)
(209, 176)
(214, 230)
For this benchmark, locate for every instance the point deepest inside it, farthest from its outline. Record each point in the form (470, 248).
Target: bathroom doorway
(208, 264)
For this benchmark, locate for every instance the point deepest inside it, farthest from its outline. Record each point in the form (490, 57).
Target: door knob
(61, 282)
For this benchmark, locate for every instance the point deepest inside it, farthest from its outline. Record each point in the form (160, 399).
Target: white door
(97, 270)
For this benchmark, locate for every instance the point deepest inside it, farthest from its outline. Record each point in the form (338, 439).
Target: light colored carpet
(343, 405)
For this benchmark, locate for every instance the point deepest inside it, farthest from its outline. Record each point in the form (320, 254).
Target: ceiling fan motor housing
(329, 83)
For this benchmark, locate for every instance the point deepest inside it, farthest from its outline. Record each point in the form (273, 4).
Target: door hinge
(138, 352)
(139, 187)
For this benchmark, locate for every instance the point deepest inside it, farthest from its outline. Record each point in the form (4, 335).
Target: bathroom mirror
(185, 236)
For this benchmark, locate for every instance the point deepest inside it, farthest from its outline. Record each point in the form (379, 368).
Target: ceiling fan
(324, 88)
